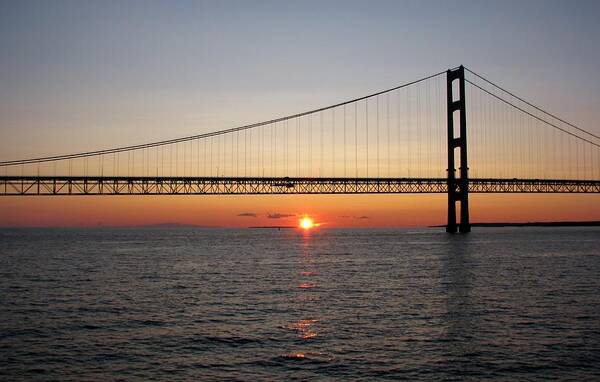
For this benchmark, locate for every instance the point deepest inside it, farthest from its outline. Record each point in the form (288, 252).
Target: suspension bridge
(408, 139)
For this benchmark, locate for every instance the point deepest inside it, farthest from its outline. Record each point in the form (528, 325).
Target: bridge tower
(458, 188)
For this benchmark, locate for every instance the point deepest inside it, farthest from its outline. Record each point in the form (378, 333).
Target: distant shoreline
(594, 223)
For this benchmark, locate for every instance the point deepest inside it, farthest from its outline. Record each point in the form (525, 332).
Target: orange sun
(306, 223)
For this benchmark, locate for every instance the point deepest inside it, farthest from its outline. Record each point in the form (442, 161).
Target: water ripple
(212, 305)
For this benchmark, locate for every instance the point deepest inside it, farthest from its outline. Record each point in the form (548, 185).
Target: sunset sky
(77, 76)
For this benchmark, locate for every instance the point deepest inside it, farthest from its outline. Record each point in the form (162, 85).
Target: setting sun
(306, 223)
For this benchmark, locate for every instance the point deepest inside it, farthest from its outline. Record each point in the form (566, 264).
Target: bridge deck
(106, 185)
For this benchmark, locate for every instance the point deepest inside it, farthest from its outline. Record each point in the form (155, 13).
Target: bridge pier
(458, 188)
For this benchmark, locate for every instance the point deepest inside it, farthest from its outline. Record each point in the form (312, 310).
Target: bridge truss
(273, 186)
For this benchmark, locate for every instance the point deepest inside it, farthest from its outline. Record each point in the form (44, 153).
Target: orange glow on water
(304, 328)
(295, 356)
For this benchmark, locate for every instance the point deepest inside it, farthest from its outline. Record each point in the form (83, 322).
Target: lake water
(207, 304)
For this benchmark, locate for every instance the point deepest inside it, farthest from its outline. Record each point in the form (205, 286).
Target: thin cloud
(247, 214)
(355, 217)
(277, 215)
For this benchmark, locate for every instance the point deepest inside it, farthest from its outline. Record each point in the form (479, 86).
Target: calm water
(175, 304)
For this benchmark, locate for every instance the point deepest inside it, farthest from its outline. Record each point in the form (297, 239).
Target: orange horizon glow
(339, 211)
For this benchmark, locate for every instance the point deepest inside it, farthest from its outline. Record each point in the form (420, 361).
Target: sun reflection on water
(306, 285)
(306, 327)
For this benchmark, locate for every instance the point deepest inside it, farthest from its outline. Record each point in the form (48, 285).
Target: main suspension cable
(209, 134)
(530, 104)
(533, 115)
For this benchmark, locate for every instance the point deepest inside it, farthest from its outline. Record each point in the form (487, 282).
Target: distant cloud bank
(355, 217)
(274, 215)
(277, 215)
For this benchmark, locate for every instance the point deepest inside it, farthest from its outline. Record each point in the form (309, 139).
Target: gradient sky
(77, 76)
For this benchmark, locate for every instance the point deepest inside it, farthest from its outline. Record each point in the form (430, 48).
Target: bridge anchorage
(386, 142)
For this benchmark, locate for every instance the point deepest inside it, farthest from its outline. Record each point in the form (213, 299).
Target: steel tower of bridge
(458, 189)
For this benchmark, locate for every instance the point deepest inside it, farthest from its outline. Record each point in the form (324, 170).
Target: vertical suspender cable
(345, 174)
(356, 139)
(367, 132)
(333, 141)
(387, 125)
(377, 132)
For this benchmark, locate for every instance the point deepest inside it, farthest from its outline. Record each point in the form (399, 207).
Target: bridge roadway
(109, 185)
